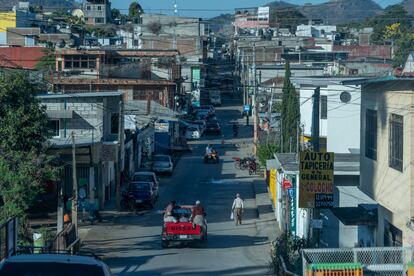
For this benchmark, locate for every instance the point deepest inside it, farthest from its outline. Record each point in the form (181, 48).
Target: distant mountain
(222, 24)
(409, 6)
(48, 5)
(341, 11)
(334, 11)
(280, 5)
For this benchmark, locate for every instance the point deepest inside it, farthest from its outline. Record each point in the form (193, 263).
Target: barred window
(324, 107)
(396, 142)
(371, 134)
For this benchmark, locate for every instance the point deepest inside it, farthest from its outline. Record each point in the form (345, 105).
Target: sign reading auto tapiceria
(316, 173)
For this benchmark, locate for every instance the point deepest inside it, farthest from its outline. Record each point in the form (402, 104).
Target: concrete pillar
(92, 187)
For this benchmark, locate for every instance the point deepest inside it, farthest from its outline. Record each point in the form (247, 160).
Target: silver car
(162, 164)
(53, 264)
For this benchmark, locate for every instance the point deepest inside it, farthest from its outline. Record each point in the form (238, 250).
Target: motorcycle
(252, 167)
(213, 157)
(240, 163)
(127, 201)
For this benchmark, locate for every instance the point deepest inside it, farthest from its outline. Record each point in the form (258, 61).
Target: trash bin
(335, 269)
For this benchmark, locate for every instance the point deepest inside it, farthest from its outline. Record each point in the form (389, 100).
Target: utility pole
(175, 24)
(315, 119)
(60, 208)
(316, 148)
(255, 107)
(75, 186)
(120, 153)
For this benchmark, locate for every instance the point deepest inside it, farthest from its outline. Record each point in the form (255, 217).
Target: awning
(60, 114)
(356, 215)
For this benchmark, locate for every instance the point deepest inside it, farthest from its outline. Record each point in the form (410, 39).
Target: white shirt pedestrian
(238, 203)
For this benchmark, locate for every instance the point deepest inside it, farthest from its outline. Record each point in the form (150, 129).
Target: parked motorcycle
(240, 163)
(252, 167)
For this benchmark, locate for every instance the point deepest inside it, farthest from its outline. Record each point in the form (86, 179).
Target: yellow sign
(272, 186)
(316, 174)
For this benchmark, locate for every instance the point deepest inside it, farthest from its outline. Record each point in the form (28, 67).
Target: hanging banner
(316, 185)
(292, 210)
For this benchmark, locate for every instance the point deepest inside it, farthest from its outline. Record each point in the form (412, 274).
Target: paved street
(131, 244)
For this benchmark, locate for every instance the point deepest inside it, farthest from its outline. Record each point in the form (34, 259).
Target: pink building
(251, 18)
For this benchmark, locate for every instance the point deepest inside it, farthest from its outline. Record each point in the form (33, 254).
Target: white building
(326, 31)
(339, 112)
(387, 157)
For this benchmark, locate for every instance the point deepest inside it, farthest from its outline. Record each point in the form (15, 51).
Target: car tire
(164, 244)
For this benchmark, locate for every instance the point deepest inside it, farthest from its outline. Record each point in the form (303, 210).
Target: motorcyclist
(209, 150)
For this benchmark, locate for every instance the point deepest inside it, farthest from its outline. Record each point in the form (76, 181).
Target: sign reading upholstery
(316, 171)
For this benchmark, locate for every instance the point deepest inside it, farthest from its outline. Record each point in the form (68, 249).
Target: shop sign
(292, 210)
(109, 152)
(316, 173)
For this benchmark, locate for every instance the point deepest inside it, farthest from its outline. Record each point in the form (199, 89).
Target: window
(371, 134)
(99, 8)
(396, 142)
(88, 8)
(99, 20)
(54, 126)
(114, 123)
(324, 107)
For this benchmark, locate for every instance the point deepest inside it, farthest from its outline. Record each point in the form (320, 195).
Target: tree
(24, 164)
(290, 113)
(391, 15)
(48, 61)
(134, 12)
(116, 14)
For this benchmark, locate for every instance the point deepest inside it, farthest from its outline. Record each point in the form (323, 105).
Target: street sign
(246, 108)
(316, 173)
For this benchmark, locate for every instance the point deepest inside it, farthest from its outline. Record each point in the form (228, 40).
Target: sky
(209, 8)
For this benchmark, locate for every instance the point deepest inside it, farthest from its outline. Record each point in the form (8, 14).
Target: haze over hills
(46, 4)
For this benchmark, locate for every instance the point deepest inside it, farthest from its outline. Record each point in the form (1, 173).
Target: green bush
(288, 248)
(266, 152)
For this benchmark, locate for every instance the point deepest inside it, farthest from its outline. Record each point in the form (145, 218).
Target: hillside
(48, 5)
(280, 5)
(222, 24)
(409, 6)
(341, 11)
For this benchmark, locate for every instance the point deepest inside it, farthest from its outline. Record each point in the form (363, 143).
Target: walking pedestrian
(238, 209)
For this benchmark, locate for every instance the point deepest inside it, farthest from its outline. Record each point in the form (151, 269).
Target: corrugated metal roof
(79, 95)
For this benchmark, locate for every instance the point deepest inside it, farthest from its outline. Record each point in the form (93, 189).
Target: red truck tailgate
(181, 228)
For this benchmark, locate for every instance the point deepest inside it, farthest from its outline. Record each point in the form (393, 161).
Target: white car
(192, 133)
(162, 164)
(53, 264)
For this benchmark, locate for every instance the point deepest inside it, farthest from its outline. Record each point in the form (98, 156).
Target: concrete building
(20, 57)
(97, 12)
(154, 77)
(93, 118)
(326, 31)
(387, 156)
(339, 112)
(19, 17)
(251, 19)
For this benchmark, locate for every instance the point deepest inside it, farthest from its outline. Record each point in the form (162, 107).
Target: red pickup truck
(182, 230)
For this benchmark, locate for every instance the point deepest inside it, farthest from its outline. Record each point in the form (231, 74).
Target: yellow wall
(7, 20)
(272, 185)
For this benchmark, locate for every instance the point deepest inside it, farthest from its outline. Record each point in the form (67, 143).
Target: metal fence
(379, 261)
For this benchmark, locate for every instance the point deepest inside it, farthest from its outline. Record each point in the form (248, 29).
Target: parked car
(53, 264)
(192, 133)
(142, 194)
(200, 124)
(213, 128)
(163, 164)
(146, 177)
